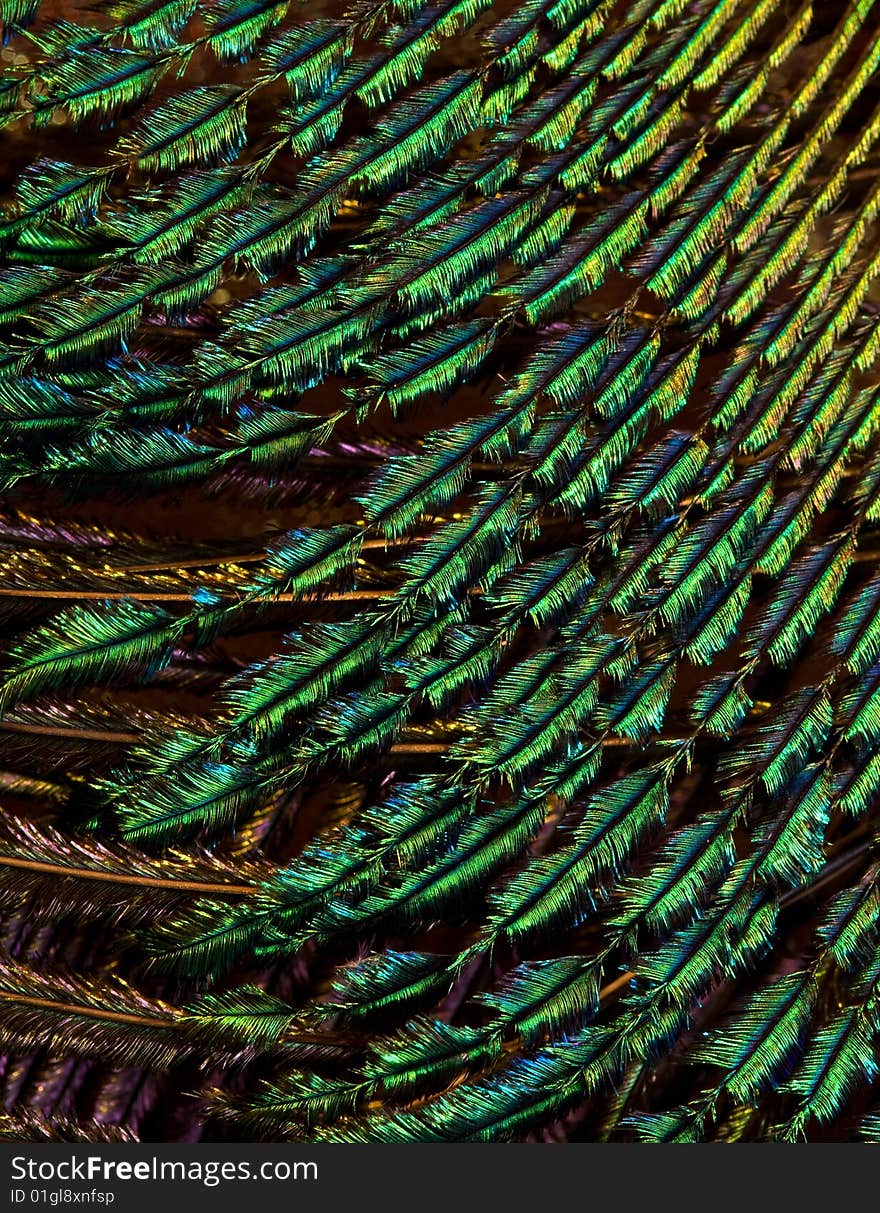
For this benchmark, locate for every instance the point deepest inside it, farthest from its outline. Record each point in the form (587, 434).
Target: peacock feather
(440, 695)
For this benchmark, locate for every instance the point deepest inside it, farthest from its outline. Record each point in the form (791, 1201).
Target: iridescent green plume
(440, 695)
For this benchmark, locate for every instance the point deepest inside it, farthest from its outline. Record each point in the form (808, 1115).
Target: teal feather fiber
(440, 686)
